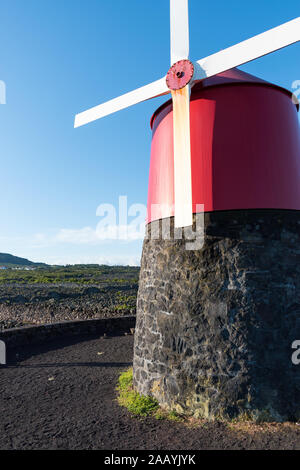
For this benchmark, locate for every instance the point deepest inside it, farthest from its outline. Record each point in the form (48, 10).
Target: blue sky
(58, 58)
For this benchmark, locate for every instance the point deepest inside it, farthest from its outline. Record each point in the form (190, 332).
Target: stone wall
(215, 326)
(38, 334)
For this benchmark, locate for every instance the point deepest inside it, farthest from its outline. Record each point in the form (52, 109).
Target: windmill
(213, 326)
(184, 74)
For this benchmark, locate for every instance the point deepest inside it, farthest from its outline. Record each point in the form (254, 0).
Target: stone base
(215, 326)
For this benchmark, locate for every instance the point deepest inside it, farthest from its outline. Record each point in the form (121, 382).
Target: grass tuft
(137, 404)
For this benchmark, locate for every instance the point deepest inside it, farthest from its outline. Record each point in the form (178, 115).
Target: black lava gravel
(61, 395)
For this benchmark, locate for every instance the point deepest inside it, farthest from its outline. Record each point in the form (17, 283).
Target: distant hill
(11, 261)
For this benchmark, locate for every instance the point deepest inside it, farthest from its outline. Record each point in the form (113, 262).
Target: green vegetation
(140, 405)
(170, 415)
(78, 274)
(137, 404)
(124, 302)
(59, 293)
(173, 416)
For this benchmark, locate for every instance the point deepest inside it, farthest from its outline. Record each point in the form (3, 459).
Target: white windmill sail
(179, 29)
(246, 51)
(179, 42)
(152, 90)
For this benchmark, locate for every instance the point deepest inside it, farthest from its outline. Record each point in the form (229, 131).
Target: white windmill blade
(253, 48)
(179, 25)
(152, 90)
(182, 157)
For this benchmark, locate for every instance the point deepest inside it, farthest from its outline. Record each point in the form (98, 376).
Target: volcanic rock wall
(215, 326)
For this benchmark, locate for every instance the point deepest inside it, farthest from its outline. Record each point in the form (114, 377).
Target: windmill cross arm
(152, 90)
(253, 48)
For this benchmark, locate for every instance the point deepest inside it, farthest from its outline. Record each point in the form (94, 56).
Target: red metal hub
(180, 74)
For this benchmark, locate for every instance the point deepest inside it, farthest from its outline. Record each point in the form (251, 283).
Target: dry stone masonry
(215, 326)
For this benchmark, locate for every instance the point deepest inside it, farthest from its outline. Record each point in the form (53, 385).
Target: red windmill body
(245, 147)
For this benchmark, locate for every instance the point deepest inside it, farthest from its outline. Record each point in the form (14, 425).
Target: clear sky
(60, 57)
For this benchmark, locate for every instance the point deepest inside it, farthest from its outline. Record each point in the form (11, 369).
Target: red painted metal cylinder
(245, 148)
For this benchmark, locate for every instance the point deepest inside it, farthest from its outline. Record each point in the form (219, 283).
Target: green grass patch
(141, 405)
(137, 404)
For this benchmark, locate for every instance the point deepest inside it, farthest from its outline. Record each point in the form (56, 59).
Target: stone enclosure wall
(26, 335)
(215, 326)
